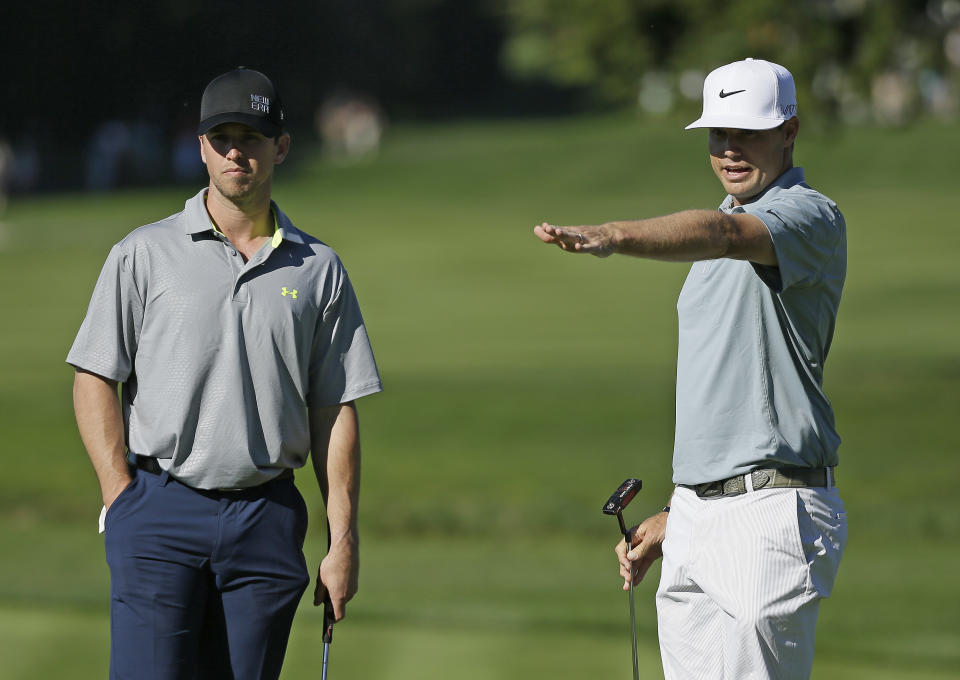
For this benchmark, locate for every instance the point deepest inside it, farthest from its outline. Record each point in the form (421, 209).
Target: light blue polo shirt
(220, 359)
(753, 341)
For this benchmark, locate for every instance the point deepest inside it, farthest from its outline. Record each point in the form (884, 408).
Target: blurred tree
(73, 68)
(602, 47)
(851, 58)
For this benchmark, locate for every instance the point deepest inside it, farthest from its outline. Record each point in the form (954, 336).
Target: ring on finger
(579, 237)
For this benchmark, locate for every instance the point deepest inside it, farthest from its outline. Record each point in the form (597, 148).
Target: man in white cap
(752, 537)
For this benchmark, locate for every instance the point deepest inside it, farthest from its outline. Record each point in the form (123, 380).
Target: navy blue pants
(203, 584)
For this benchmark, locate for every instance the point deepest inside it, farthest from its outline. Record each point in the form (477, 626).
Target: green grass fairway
(522, 386)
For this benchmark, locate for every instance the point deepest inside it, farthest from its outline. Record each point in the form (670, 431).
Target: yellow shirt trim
(277, 233)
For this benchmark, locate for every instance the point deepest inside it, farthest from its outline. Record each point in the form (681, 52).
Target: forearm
(335, 438)
(685, 236)
(100, 422)
(680, 237)
(335, 451)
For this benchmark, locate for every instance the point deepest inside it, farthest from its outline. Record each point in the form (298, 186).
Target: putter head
(622, 497)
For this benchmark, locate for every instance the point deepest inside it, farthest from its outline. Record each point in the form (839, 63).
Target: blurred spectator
(938, 94)
(146, 161)
(951, 46)
(108, 147)
(187, 166)
(24, 176)
(6, 163)
(656, 92)
(893, 98)
(123, 153)
(350, 126)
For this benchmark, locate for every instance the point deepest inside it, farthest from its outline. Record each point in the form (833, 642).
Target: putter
(618, 501)
(327, 634)
(328, 616)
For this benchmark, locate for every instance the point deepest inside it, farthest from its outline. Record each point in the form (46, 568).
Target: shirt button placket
(236, 265)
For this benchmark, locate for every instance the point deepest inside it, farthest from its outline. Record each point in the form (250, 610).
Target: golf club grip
(328, 615)
(328, 621)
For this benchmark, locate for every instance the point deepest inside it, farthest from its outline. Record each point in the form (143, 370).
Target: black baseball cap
(242, 96)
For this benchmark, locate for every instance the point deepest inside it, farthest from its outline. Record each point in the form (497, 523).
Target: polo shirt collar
(790, 178)
(285, 227)
(198, 220)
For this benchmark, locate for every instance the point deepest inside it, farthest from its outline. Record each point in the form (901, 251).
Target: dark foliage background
(70, 67)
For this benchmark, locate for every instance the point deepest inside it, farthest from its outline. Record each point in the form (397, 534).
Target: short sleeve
(342, 366)
(107, 341)
(807, 234)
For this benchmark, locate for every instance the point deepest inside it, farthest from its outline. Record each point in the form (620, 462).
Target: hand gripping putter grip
(615, 506)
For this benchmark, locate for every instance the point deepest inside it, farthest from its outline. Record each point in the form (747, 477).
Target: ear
(790, 130)
(283, 148)
(203, 153)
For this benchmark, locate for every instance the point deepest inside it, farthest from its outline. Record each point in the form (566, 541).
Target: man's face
(747, 161)
(240, 160)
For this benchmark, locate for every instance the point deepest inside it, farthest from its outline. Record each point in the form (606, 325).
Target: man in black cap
(239, 346)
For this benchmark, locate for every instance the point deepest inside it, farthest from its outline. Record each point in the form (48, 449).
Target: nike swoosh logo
(727, 94)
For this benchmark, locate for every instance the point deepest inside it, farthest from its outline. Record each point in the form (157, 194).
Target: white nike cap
(752, 94)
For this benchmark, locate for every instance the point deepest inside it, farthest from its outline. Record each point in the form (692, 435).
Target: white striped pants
(742, 579)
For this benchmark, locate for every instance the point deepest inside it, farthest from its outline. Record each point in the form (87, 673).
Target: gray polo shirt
(753, 341)
(220, 359)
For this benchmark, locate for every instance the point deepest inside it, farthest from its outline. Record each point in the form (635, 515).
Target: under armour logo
(286, 291)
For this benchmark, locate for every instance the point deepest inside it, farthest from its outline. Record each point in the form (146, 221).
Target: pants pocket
(822, 527)
(116, 508)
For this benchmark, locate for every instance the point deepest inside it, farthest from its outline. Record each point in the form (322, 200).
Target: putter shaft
(614, 506)
(633, 615)
(633, 622)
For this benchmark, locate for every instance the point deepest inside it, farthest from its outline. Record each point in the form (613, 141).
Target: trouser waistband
(766, 478)
(152, 465)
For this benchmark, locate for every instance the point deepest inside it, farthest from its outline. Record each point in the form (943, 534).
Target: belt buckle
(761, 478)
(734, 486)
(710, 490)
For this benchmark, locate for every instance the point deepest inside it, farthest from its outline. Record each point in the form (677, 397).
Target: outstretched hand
(592, 240)
(646, 548)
